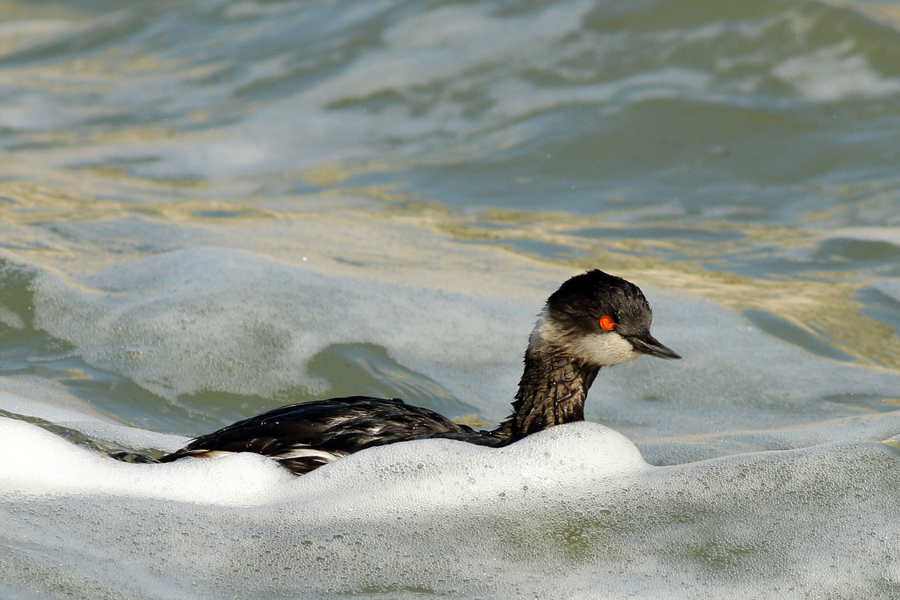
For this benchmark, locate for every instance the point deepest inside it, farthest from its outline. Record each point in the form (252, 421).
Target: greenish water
(212, 208)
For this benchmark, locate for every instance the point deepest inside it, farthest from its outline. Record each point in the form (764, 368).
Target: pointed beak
(650, 345)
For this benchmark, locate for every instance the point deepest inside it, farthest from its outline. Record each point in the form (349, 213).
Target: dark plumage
(305, 436)
(593, 320)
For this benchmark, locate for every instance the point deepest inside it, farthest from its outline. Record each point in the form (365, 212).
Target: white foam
(570, 513)
(443, 473)
(834, 73)
(37, 462)
(562, 514)
(576, 508)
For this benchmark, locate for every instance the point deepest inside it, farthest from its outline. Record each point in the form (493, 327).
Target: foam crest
(430, 472)
(440, 473)
(37, 462)
(574, 508)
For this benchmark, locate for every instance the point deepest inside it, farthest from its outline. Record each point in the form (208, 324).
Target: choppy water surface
(211, 208)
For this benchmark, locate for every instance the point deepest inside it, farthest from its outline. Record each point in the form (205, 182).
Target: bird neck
(551, 392)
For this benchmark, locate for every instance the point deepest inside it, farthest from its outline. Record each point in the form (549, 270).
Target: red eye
(607, 323)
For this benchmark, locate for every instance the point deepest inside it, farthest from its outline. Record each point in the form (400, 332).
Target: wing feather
(305, 436)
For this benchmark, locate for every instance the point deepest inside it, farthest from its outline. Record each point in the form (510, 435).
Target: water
(211, 208)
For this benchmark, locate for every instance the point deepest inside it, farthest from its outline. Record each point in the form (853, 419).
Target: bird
(593, 320)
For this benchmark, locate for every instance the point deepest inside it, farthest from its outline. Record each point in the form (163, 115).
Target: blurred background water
(211, 208)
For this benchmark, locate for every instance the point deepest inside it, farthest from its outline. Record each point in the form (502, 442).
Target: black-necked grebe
(593, 320)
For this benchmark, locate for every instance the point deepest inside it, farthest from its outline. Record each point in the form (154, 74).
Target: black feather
(338, 426)
(552, 391)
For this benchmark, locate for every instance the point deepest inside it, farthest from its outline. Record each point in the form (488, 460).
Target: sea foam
(575, 508)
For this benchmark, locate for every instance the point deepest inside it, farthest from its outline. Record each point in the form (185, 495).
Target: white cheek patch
(604, 349)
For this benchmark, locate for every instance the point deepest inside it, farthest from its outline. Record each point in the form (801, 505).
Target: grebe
(593, 320)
